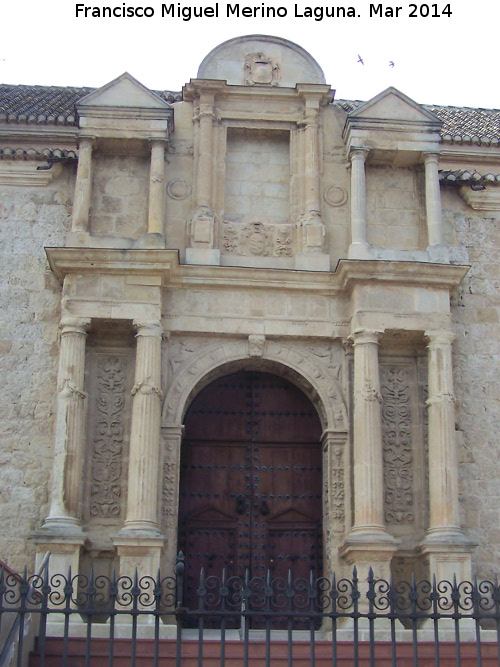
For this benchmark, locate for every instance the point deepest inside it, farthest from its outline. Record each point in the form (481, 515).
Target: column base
(151, 240)
(64, 548)
(312, 262)
(448, 554)
(439, 253)
(360, 251)
(139, 551)
(370, 548)
(204, 256)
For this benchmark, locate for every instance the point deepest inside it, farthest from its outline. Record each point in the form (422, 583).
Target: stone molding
(323, 389)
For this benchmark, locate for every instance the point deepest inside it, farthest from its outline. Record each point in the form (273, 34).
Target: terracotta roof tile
(56, 105)
(48, 104)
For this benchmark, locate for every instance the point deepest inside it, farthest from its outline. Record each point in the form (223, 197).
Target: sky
(447, 57)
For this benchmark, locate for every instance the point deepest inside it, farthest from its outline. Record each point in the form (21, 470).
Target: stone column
(369, 539)
(201, 229)
(446, 547)
(139, 543)
(142, 499)
(83, 187)
(156, 210)
(69, 447)
(359, 248)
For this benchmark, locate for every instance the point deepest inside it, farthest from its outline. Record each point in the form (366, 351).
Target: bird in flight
(360, 59)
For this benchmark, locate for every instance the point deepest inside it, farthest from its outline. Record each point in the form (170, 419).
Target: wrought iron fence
(372, 621)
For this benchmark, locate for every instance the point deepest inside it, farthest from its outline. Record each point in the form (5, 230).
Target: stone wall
(476, 310)
(120, 195)
(394, 207)
(30, 296)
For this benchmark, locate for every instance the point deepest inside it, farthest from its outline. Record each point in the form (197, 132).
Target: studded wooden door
(250, 494)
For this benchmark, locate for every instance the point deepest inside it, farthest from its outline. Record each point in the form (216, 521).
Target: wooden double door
(251, 480)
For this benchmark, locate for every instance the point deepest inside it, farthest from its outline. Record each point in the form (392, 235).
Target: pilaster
(335, 498)
(311, 229)
(171, 438)
(83, 186)
(156, 209)
(202, 226)
(436, 248)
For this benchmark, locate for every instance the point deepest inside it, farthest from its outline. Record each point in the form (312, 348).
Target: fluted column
(445, 547)
(312, 191)
(359, 248)
(83, 187)
(433, 200)
(156, 210)
(70, 426)
(368, 543)
(142, 500)
(368, 454)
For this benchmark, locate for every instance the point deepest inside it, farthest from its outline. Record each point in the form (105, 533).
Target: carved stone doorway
(251, 480)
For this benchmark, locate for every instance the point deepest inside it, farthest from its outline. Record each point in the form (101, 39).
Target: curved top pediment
(261, 60)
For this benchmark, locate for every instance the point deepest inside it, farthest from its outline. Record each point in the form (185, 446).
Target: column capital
(148, 328)
(359, 152)
(365, 336)
(431, 156)
(70, 324)
(439, 337)
(87, 139)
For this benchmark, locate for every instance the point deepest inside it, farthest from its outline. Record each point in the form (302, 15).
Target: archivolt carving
(316, 380)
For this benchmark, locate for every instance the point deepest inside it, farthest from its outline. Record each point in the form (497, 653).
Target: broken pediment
(124, 91)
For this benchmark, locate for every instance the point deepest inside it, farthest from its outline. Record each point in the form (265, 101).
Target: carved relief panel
(110, 377)
(403, 448)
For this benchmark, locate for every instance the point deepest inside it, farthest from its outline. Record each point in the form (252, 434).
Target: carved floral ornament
(260, 70)
(308, 375)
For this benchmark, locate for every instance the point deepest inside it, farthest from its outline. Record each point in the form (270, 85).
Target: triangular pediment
(291, 516)
(392, 104)
(124, 92)
(209, 516)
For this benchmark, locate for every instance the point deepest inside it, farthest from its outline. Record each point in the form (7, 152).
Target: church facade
(250, 322)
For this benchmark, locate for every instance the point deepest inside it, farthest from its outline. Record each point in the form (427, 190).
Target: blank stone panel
(257, 176)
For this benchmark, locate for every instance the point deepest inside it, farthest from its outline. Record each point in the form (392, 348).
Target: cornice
(423, 274)
(165, 265)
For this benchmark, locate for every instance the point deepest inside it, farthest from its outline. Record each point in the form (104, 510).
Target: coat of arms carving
(260, 70)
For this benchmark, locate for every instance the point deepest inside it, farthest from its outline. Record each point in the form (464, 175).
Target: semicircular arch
(324, 391)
